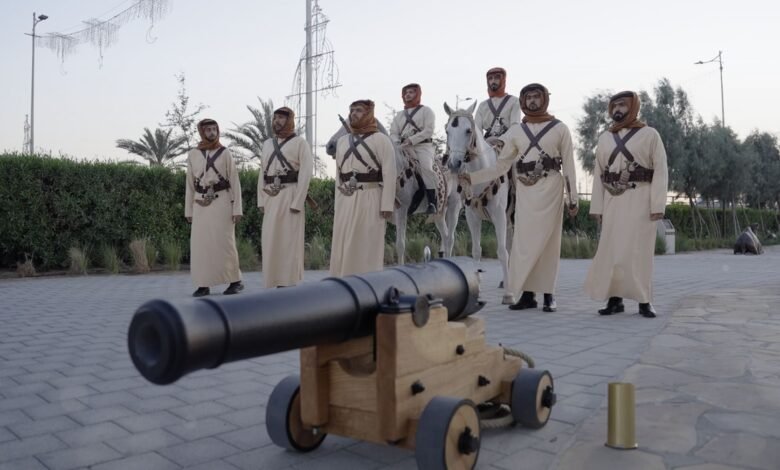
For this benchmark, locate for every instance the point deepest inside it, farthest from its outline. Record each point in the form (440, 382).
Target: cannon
(392, 357)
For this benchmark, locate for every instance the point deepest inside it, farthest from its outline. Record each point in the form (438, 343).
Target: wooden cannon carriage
(402, 370)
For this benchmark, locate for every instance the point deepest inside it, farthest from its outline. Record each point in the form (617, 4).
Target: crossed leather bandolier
(220, 185)
(290, 175)
(410, 122)
(618, 182)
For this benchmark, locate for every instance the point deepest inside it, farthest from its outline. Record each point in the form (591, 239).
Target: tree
(159, 149)
(180, 118)
(765, 190)
(249, 137)
(594, 123)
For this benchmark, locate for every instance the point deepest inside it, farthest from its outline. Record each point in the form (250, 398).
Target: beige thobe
(213, 254)
(509, 114)
(358, 244)
(282, 236)
(623, 265)
(420, 135)
(536, 244)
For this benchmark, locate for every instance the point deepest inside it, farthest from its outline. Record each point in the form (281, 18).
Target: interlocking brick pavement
(71, 398)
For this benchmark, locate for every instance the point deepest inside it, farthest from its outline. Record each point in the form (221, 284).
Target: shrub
(25, 269)
(317, 253)
(415, 247)
(489, 244)
(247, 255)
(660, 245)
(172, 254)
(79, 260)
(138, 253)
(110, 259)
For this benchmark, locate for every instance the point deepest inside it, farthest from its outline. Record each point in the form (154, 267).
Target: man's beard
(494, 86)
(618, 116)
(533, 106)
(211, 138)
(278, 128)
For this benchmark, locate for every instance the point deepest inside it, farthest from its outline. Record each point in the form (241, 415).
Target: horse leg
(400, 234)
(475, 227)
(498, 216)
(453, 211)
(443, 229)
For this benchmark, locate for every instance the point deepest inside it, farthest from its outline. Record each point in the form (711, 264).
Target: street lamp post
(458, 100)
(36, 20)
(719, 58)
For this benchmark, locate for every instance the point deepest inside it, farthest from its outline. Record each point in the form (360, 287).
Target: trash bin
(665, 230)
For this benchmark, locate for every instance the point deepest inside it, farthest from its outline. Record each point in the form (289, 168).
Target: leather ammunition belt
(221, 185)
(639, 175)
(290, 177)
(548, 163)
(375, 177)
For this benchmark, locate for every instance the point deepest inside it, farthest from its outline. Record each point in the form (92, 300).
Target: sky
(234, 51)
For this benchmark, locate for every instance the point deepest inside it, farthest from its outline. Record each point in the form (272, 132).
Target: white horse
(409, 193)
(468, 152)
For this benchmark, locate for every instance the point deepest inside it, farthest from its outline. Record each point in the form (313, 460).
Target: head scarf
(631, 120)
(289, 128)
(368, 123)
(500, 93)
(416, 101)
(541, 114)
(204, 144)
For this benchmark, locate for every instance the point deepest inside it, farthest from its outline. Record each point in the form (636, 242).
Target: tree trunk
(693, 216)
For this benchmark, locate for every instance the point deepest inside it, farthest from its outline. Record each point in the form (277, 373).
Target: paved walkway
(70, 397)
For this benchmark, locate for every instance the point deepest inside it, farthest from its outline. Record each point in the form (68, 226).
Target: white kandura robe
(508, 116)
(400, 132)
(358, 244)
(623, 264)
(283, 231)
(536, 244)
(213, 254)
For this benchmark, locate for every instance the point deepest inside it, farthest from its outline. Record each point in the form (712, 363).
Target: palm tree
(159, 149)
(249, 137)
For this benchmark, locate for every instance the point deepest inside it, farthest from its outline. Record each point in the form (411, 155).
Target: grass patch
(316, 253)
(172, 254)
(109, 259)
(26, 269)
(660, 245)
(138, 252)
(575, 245)
(79, 260)
(247, 255)
(415, 248)
(489, 245)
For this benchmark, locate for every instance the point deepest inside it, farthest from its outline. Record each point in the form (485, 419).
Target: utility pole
(36, 20)
(719, 58)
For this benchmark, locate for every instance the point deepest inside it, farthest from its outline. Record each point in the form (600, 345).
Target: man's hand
(260, 209)
(406, 145)
(656, 216)
(596, 217)
(387, 215)
(236, 219)
(294, 211)
(464, 178)
(189, 220)
(573, 211)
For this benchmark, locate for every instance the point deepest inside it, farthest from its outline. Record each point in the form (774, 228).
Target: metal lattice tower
(317, 75)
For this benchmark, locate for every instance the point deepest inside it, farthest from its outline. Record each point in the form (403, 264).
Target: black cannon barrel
(167, 341)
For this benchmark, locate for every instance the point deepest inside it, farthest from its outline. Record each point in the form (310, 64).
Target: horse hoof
(508, 299)
(501, 285)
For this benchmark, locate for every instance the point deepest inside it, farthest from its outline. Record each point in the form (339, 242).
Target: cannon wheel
(533, 396)
(283, 418)
(448, 435)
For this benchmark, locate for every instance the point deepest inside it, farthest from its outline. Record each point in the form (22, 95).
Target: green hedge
(51, 204)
